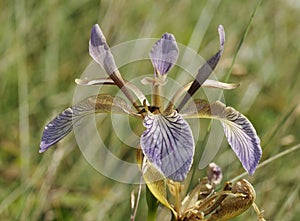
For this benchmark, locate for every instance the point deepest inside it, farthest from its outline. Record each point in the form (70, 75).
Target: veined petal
(239, 131)
(243, 139)
(168, 143)
(205, 70)
(164, 54)
(100, 51)
(63, 124)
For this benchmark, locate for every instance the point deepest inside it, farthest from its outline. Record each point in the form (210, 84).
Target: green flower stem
(152, 205)
(157, 96)
(178, 198)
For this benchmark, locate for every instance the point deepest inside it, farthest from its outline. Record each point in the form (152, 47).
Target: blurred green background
(44, 47)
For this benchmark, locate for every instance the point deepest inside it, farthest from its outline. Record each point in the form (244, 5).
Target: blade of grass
(57, 159)
(277, 127)
(227, 76)
(16, 193)
(199, 31)
(245, 33)
(289, 201)
(20, 16)
(268, 161)
(152, 204)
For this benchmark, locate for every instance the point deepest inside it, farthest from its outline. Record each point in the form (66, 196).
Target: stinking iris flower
(167, 143)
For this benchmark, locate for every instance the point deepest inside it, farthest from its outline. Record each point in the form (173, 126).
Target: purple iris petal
(57, 129)
(100, 51)
(168, 144)
(64, 123)
(206, 69)
(243, 139)
(164, 54)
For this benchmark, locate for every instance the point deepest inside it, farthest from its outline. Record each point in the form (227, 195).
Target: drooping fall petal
(239, 131)
(63, 124)
(243, 139)
(164, 54)
(168, 144)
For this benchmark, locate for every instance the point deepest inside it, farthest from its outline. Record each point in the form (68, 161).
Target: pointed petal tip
(249, 160)
(97, 38)
(221, 35)
(251, 171)
(221, 29)
(41, 151)
(257, 156)
(79, 81)
(100, 51)
(217, 84)
(206, 69)
(96, 26)
(43, 147)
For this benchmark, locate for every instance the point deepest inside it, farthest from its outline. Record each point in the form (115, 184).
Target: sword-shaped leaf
(168, 144)
(205, 70)
(63, 124)
(240, 133)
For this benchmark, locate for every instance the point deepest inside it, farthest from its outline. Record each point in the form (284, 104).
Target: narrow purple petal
(164, 54)
(240, 133)
(63, 124)
(57, 129)
(168, 144)
(205, 70)
(100, 51)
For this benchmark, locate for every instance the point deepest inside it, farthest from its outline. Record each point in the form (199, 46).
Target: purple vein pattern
(243, 139)
(168, 143)
(164, 54)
